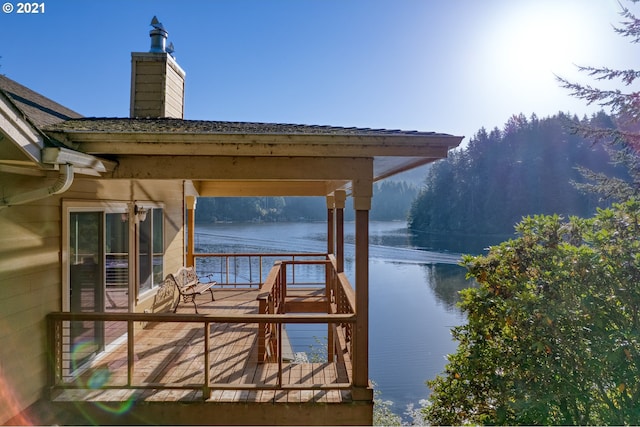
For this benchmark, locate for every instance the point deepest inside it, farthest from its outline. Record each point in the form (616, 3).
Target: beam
(237, 188)
(243, 168)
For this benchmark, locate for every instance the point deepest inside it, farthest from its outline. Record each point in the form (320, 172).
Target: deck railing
(246, 269)
(340, 299)
(68, 372)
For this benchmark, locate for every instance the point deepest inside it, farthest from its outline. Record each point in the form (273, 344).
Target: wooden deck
(173, 354)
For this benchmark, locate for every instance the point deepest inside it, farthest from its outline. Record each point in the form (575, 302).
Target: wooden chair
(189, 286)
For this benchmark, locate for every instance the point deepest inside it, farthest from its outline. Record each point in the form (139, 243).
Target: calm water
(412, 297)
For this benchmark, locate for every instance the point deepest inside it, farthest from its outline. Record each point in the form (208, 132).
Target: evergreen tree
(501, 176)
(620, 135)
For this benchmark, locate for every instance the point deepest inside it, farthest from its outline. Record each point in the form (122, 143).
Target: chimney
(157, 81)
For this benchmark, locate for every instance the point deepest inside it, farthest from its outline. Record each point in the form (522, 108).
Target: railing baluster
(130, 353)
(279, 338)
(206, 390)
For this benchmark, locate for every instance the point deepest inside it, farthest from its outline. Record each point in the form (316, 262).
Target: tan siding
(148, 68)
(29, 288)
(174, 104)
(149, 97)
(30, 273)
(175, 87)
(148, 110)
(149, 86)
(175, 83)
(158, 87)
(172, 110)
(173, 99)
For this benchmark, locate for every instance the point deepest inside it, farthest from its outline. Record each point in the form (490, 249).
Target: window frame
(112, 206)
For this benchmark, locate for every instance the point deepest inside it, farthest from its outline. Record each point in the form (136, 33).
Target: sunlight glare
(539, 39)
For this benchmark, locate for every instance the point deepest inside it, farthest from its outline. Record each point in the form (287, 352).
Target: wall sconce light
(140, 213)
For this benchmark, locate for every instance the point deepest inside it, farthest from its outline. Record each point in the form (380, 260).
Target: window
(127, 250)
(150, 250)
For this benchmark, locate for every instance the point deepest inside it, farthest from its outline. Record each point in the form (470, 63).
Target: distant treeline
(527, 168)
(391, 201)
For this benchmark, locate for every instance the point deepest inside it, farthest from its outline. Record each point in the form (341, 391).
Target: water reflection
(468, 244)
(446, 281)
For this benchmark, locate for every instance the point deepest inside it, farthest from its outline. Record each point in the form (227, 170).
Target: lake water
(412, 297)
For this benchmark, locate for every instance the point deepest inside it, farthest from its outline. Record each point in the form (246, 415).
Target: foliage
(383, 415)
(526, 168)
(622, 139)
(553, 332)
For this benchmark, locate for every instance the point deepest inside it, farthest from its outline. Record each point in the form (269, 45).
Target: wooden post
(191, 226)
(362, 193)
(361, 365)
(329, 274)
(330, 225)
(340, 197)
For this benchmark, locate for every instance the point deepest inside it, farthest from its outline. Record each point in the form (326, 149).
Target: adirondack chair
(189, 286)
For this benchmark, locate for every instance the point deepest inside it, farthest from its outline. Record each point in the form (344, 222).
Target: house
(107, 204)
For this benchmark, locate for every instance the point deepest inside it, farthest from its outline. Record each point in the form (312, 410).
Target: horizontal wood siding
(158, 87)
(171, 194)
(174, 94)
(31, 275)
(29, 288)
(148, 92)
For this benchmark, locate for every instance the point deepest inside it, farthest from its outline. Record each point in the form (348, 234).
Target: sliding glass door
(98, 257)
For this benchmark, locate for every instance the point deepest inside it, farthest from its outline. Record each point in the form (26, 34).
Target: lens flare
(99, 378)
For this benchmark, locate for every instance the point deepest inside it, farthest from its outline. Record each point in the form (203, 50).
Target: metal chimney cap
(158, 36)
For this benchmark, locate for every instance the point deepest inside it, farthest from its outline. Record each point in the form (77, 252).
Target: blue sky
(448, 66)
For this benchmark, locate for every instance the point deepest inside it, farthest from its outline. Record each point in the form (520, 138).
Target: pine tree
(622, 140)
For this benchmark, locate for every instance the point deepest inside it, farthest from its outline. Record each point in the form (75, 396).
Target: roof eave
(135, 143)
(19, 131)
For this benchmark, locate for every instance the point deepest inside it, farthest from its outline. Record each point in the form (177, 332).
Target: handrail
(210, 318)
(226, 277)
(270, 281)
(263, 254)
(58, 342)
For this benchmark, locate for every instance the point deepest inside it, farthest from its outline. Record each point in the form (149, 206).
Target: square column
(191, 202)
(362, 193)
(330, 224)
(340, 196)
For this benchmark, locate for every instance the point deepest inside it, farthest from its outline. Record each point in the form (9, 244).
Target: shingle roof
(40, 110)
(168, 125)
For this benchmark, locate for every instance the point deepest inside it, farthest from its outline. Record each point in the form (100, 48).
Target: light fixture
(140, 213)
